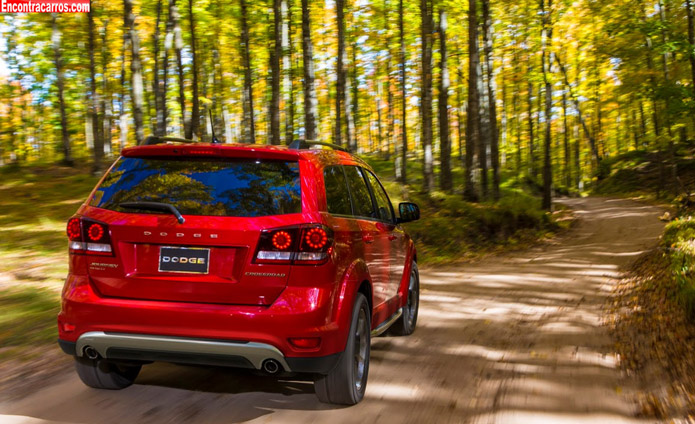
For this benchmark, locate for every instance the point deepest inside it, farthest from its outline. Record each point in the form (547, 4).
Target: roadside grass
(678, 241)
(28, 319)
(35, 204)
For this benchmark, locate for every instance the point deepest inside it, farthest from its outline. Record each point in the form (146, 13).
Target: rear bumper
(147, 348)
(227, 335)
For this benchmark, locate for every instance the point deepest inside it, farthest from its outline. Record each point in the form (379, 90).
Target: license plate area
(189, 260)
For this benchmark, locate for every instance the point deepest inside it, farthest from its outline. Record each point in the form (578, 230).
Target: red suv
(279, 259)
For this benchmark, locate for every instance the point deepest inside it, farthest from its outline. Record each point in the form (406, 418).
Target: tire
(408, 320)
(102, 374)
(346, 383)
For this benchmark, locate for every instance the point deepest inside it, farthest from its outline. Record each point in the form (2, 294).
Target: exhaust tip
(271, 366)
(91, 353)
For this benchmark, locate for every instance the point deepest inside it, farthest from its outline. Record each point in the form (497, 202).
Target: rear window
(240, 187)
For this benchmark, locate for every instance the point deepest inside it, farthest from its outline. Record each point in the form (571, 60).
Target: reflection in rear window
(204, 186)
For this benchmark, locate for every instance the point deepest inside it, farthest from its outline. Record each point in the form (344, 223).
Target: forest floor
(655, 338)
(519, 337)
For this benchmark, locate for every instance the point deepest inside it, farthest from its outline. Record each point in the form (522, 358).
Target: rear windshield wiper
(154, 206)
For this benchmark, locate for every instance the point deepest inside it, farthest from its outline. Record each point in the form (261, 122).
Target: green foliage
(451, 229)
(679, 243)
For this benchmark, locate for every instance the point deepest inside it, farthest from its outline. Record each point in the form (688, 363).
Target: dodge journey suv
(285, 260)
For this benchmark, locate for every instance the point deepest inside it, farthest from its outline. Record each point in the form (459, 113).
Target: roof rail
(307, 144)
(153, 139)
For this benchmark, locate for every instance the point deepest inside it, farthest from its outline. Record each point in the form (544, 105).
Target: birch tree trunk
(445, 180)
(275, 57)
(492, 100)
(426, 94)
(249, 125)
(310, 101)
(94, 99)
(401, 174)
(135, 71)
(547, 58)
(473, 113)
(194, 128)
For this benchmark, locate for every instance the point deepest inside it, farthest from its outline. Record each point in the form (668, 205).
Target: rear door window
(384, 208)
(204, 186)
(337, 194)
(359, 192)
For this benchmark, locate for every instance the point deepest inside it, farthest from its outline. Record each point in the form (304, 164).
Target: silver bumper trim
(254, 352)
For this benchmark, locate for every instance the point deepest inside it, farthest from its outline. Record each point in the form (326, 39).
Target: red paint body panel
(237, 299)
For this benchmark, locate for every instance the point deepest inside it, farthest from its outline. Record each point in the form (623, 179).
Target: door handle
(368, 238)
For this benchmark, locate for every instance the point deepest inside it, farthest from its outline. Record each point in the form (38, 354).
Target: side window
(337, 194)
(383, 204)
(361, 198)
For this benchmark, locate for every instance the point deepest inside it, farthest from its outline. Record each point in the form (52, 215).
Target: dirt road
(510, 339)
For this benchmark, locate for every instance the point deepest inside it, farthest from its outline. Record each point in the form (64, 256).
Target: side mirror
(409, 212)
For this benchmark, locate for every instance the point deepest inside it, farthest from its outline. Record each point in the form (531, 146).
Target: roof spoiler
(152, 140)
(308, 144)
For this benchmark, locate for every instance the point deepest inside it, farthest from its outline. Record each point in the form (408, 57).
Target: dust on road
(517, 338)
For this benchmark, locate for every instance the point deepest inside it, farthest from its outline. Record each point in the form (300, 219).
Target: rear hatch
(224, 203)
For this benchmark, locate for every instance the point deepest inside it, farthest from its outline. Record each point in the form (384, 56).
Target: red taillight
(305, 342)
(307, 245)
(282, 240)
(95, 232)
(74, 230)
(89, 237)
(315, 238)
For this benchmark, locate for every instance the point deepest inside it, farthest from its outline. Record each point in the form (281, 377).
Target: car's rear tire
(347, 382)
(102, 374)
(408, 320)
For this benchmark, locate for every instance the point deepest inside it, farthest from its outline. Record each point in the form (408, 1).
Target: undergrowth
(453, 230)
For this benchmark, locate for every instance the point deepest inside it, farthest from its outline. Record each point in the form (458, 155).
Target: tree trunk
(352, 103)
(531, 133)
(310, 101)
(275, 75)
(492, 100)
(404, 101)
(484, 131)
(168, 44)
(135, 71)
(445, 179)
(460, 107)
(390, 126)
(547, 58)
(94, 97)
(249, 125)
(194, 128)
(178, 49)
(122, 117)
(287, 47)
(473, 115)
(341, 73)
(60, 83)
(379, 124)
(565, 131)
(106, 98)
(426, 94)
(158, 83)
(515, 107)
(691, 41)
